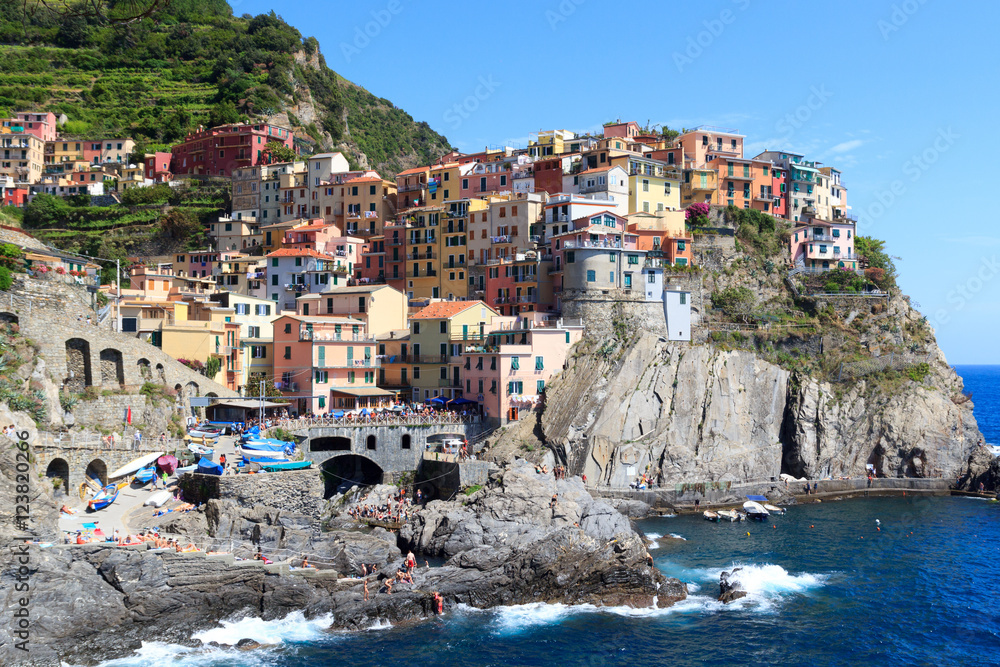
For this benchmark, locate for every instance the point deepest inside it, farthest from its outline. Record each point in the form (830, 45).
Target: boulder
(729, 587)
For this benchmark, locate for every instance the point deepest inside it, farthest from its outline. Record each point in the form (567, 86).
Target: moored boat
(774, 509)
(729, 515)
(287, 465)
(200, 449)
(755, 510)
(710, 515)
(104, 497)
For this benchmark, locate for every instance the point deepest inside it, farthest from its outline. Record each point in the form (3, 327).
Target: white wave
(293, 628)
(516, 618)
(678, 537)
(380, 625)
(769, 580)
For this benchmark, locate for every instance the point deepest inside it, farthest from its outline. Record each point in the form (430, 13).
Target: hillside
(194, 63)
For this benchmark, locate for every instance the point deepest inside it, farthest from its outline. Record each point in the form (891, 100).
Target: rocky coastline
(506, 544)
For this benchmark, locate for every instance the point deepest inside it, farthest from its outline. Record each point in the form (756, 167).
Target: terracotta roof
(415, 170)
(363, 179)
(597, 170)
(445, 309)
(292, 252)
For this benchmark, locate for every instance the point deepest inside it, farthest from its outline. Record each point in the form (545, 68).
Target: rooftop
(445, 309)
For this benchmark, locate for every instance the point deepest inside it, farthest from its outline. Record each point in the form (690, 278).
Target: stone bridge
(373, 453)
(78, 355)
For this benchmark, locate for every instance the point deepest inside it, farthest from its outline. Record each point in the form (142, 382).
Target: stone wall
(77, 355)
(109, 412)
(447, 478)
(298, 491)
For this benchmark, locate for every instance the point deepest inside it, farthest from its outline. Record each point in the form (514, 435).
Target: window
(539, 363)
(570, 257)
(322, 402)
(288, 352)
(416, 327)
(321, 377)
(515, 363)
(539, 386)
(652, 277)
(684, 298)
(645, 185)
(443, 328)
(681, 246)
(350, 376)
(288, 327)
(274, 261)
(274, 280)
(613, 257)
(633, 259)
(591, 276)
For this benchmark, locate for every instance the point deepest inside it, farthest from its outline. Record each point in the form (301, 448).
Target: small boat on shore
(145, 475)
(134, 465)
(287, 465)
(158, 499)
(104, 497)
(729, 515)
(204, 432)
(774, 509)
(710, 515)
(200, 449)
(755, 510)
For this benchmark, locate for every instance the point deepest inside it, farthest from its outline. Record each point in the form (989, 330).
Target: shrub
(919, 372)
(6, 279)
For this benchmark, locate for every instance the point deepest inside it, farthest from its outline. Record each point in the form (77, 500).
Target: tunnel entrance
(344, 472)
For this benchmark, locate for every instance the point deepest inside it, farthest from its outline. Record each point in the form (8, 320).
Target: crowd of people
(396, 508)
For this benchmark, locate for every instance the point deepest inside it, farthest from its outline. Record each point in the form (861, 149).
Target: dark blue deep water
(826, 588)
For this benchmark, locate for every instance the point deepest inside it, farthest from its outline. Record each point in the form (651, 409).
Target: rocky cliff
(741, 413)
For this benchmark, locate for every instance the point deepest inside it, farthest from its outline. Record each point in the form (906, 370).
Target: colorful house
(821, 245)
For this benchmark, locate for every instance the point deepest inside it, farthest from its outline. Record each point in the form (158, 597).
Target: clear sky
(897, 94)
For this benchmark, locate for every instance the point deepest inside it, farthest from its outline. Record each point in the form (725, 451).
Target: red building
(157, 166)
(15, 196)
(549, 175)
(779, 187)
(220, 150)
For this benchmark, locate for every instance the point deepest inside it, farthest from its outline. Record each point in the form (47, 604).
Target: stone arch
(98, 471)
(191, 389)
(58, 469)
(405, 443)
(180, 391)
(211, 394)
(330, 444)
(9, 318)
(160, 373)
(78, 371)
(370, 443)
(342, 472)
(145, 372)
(112, 367)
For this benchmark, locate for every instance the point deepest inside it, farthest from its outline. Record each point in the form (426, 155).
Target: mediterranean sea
(827, 586)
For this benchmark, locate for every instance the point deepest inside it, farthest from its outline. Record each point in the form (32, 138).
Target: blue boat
(208, 467)
(104, 497)
(269, 441)
(265, 446)
(264, 459)
(287, 465)
(145, 475)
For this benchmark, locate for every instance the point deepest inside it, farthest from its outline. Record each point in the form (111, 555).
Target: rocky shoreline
(505, 544)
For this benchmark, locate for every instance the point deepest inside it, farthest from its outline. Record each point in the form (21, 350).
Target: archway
(9, 318)
(370, 443)
(211, 394)
(112, 369)
(58, 469)
(78, 374)
(334, 444)
(343, 472)
(98, 471)
(160, 373)
(191, 389)
(145, 372)
(406, 441)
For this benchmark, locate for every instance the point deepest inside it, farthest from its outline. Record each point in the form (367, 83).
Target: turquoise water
(827, 587)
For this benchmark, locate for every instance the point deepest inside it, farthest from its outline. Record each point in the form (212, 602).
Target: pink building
(157, 166)
(486, 178)
(819, 245)
(316, 235)
(507, 373)
(42, 125)
(219, 150)
(198, 264)
(326, 364)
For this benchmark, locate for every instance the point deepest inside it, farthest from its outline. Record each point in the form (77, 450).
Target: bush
(919, 372)
(6, 279)
(735, 302)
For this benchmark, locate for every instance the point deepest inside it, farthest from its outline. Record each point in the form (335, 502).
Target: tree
(873, 250)
(180, 224)
(6, 279)
(73, 32)
(275, 152)
(223, 113)
(45, 210)
(737, 303)
(212, 367)
(252, 388)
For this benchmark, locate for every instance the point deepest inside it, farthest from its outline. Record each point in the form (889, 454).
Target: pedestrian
(164, 479)
(366, 590)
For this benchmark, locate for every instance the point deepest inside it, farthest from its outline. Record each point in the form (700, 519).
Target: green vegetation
(738, 303)
(882, 269)
(761, 234)
(472, 489)
(15, 351)
(919, 372)
(193, 63)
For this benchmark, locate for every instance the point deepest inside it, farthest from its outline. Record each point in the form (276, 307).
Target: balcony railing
(569, 245)
(500, 239)
(333, 336)
(449, 382)
(737, 177)
(295, 287)
(426, 274)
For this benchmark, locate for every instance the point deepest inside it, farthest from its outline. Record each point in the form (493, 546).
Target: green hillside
(194, 63)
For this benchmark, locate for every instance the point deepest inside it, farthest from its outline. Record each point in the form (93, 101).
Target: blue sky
(898, 95)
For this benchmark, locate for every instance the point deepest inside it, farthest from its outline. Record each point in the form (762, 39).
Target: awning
(757, 499)
(253, 403)
(362, 391)
(462, 401)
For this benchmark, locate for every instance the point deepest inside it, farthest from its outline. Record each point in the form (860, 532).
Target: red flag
(128, 415)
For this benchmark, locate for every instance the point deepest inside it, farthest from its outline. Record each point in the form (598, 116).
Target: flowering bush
(697, 209)
(193, 364)
(60, 270)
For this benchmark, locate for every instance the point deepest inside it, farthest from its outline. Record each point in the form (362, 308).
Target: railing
(295, 287)
(449, 382)
(591, 244)
(412, 188)
(500, 239)
(426, 274)
(333, 336)
(822, 237)
(378, 419)
(425, 255)
(126, 442)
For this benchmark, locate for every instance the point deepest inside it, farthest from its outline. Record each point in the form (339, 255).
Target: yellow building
(198, 331)
(438, 333)
(368, 202)
(654, 185)
(700, 185)
(21, 157)
(445, 183)
(380, 307)
(255, 318)
(395, 371)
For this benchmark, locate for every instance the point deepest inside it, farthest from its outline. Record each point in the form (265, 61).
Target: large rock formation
(696, 413)
(506, 544)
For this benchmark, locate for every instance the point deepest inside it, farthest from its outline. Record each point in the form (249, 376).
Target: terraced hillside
(194, 63)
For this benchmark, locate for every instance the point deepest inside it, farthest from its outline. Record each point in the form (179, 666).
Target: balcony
(295, 287)
(721, 149)
(449, 382)
(332, 336)
(570, 245)
(426, 274)
(764, 196)
(527, 298)
(737, 177)
(428, 359)
(419, 255)
(414, 187)
(822, 237)
(523, 174)
(468, 335)
(500, 239)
